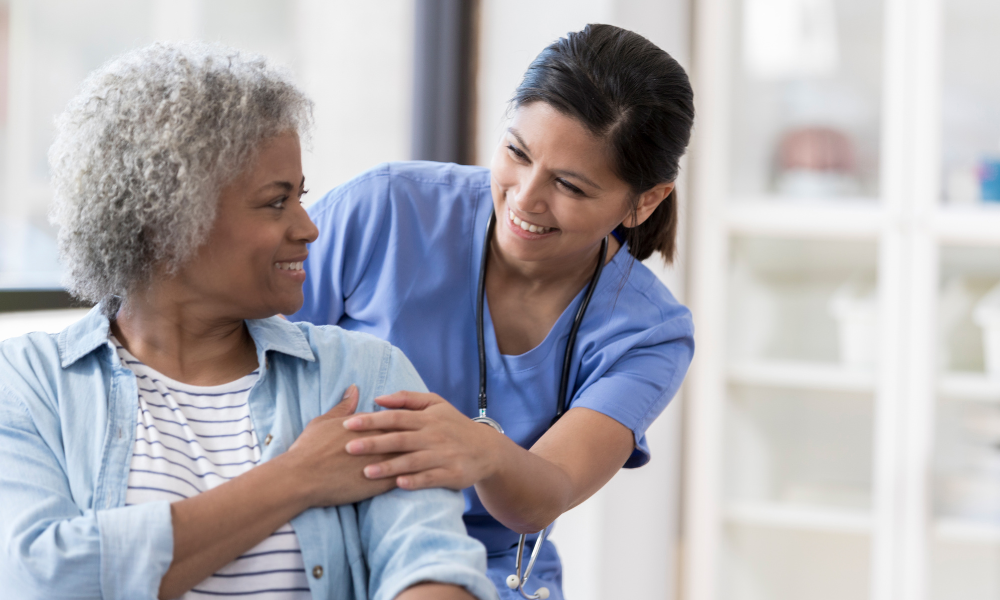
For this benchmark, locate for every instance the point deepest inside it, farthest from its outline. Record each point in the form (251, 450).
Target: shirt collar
(91, 332)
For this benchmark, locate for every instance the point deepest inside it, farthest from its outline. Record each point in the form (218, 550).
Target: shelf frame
(910, 226)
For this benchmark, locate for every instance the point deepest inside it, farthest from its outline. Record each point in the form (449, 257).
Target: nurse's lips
(526, 229)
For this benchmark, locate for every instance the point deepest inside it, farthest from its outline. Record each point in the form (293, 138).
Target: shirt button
(267, 442)
(317, 571)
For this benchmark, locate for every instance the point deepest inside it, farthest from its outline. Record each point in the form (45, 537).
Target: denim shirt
(68, 411)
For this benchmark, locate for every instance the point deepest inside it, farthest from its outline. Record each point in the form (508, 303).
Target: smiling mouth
(526, 226)
(289, 266)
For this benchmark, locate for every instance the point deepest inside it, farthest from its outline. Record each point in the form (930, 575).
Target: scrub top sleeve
(351, 220)
(640, 384)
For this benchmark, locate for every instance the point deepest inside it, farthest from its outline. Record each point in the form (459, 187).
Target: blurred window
(352, 59)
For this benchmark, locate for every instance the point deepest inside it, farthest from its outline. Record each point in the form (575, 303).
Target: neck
(183, 338)
(575, 269)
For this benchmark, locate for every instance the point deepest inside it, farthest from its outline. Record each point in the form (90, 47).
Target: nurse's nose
(530, 197)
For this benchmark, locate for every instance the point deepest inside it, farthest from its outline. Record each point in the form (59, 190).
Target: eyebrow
(560, 172)
(288, 187)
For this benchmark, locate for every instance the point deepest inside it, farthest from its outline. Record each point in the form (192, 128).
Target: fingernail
(372, 471)
(403, 482)
(347, 392)
(351, 423)
(354, 446)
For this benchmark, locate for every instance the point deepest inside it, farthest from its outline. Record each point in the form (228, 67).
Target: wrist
(496, 449)
(284, 473)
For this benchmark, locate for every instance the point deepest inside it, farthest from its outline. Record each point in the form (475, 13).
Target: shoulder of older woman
(346, 357)
(30, 371)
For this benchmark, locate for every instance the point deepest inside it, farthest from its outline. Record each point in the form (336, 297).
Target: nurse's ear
(647, 203)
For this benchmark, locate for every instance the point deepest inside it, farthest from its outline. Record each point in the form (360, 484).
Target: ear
(648, 201)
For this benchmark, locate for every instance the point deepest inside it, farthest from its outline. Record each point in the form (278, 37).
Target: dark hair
(629, 92)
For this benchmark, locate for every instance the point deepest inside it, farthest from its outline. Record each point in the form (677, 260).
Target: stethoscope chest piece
(488, 421)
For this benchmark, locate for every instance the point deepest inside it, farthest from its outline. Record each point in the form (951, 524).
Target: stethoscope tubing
(517, 581)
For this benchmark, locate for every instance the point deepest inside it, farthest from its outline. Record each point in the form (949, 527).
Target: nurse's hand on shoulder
(439, 446)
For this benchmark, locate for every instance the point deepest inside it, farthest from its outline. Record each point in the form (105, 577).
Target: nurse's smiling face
(554, 191)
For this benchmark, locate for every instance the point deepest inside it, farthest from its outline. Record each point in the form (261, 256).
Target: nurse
(590, 153)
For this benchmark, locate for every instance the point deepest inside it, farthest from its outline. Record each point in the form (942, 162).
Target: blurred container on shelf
(854, 305)
(987, 316)
(816, 162)
(956, 303)
(989, 179)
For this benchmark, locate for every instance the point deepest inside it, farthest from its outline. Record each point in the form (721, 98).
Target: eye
(569, 187)
(518, 154)
(279, 203)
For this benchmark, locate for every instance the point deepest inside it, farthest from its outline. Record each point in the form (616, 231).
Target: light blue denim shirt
(68, 410)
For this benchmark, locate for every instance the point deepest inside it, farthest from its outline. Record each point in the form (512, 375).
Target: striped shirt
(190, 439)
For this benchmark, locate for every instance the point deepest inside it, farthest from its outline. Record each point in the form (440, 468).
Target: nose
(530, 196)
(303, 230)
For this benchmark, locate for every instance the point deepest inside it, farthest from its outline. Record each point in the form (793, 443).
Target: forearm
(435, 591)
(215, 527)
(525, 492)
(530, 489)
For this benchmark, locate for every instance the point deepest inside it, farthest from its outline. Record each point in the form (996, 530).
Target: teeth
(289, 266)
(526, 225)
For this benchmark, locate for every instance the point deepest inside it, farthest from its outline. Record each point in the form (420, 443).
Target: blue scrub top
(398, 257)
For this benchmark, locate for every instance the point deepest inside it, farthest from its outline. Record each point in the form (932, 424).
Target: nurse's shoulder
(417, 188)
(644, 298)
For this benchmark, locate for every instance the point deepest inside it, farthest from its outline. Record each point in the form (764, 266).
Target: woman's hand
(437, 445)
(330, 475)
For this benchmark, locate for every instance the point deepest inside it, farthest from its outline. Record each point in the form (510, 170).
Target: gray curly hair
(143, 150)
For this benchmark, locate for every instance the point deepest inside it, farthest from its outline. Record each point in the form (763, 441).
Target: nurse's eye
(279, 203)
(569, 187)
(517, 153)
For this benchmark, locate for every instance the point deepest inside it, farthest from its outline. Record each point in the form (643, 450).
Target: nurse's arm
(567, 465)
(523, 489)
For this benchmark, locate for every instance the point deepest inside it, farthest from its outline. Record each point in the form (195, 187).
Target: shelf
(847, 218)
(966, 530)
(802, 375)
(977, 387)
(783, 516)
(968, 225)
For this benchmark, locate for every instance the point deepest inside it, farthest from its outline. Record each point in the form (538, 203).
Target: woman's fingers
(386, 419)
(409, 400)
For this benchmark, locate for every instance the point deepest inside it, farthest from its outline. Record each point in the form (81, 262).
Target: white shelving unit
(800, 518)
(818, 467)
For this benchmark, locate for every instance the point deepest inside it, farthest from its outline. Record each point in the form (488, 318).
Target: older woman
(180, 440)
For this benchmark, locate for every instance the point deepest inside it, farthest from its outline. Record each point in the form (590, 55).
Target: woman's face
(251, 265)
(554, 190)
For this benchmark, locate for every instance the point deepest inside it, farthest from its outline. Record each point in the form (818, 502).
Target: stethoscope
(517, 581)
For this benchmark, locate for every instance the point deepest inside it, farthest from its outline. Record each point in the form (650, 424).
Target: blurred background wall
(838, 433)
